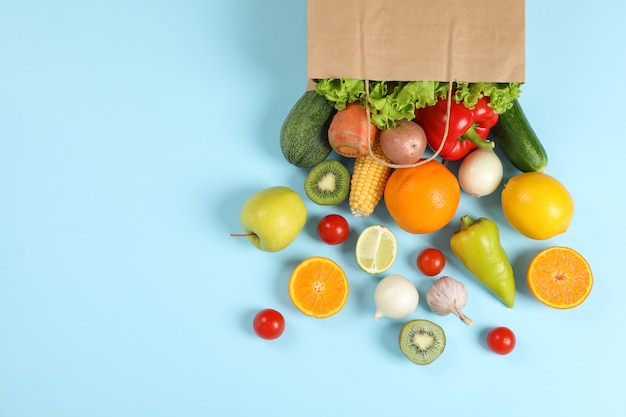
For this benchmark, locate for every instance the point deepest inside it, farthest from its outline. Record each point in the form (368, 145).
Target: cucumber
(304, 133)
(518, 141)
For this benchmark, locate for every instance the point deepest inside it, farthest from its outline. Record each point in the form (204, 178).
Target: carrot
(347, 133)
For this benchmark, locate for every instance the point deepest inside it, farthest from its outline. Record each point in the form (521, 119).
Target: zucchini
(518, 141)
(304, 133)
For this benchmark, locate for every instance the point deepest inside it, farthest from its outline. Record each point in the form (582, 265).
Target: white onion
(480, 172)
(395, 297)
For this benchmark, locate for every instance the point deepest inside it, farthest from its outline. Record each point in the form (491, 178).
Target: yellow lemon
(537, 205)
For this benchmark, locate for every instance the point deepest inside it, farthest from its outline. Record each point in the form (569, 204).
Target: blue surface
(130, 135)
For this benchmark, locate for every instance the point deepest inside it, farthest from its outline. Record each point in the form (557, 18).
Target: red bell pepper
(468, 129)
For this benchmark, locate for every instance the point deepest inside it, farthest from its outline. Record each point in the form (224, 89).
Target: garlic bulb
(447, 295)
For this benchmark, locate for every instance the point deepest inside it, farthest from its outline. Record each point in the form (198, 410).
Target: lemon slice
(376, 249)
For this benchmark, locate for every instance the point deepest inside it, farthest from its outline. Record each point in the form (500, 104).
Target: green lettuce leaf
(501, 95)
(341, 91)
(390, 101)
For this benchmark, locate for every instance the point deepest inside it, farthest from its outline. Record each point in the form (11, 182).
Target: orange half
(318, 287)
(559, 277)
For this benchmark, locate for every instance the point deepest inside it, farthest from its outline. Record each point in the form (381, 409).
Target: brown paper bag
(417, 40)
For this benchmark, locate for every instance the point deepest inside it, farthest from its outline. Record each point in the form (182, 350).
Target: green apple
(272, 218)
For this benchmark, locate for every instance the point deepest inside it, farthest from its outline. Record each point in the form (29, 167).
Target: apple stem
(242, 234)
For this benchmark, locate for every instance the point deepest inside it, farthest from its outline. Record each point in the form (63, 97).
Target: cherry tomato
(501, 340)
(333, 229)
(431, 261)
(269, 324)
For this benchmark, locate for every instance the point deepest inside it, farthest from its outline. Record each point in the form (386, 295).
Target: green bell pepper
(477, 245)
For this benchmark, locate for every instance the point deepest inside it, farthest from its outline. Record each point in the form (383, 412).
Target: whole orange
(422, 199)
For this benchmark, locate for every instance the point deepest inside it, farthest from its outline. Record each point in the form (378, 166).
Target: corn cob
(368, 182)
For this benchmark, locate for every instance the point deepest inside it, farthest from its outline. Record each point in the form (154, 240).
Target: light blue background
(131, 132)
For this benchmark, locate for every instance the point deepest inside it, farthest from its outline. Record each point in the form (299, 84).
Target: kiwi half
(422, 341)
(328, 183)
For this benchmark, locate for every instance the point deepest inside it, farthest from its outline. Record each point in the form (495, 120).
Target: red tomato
(333, 229)
(269, 324)
(431, 261)
(501, 340)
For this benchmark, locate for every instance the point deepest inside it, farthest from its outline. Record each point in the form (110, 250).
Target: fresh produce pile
(401, 137)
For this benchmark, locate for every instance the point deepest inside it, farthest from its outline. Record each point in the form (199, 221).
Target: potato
(405, 143)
